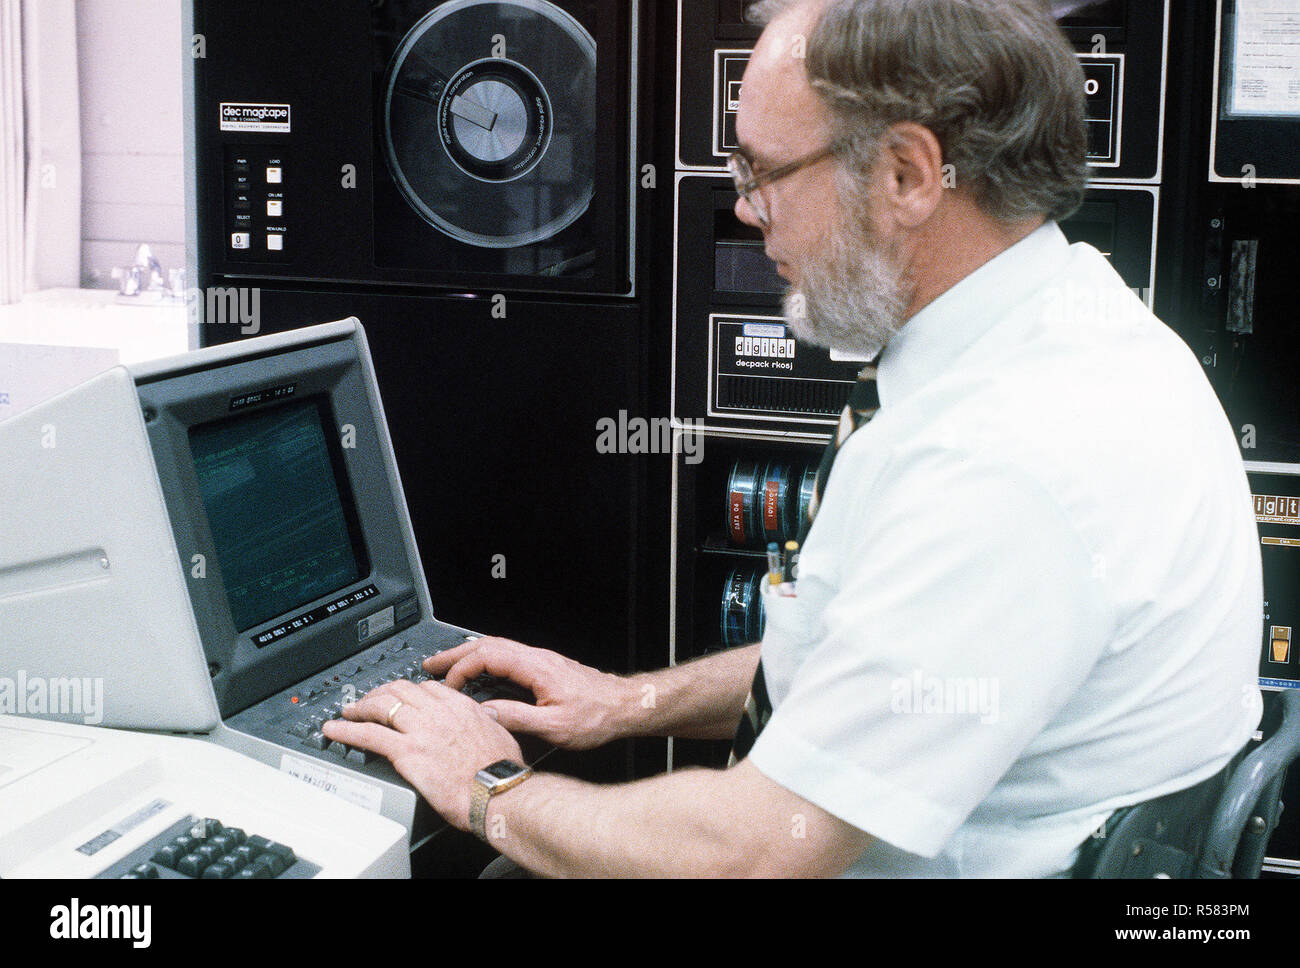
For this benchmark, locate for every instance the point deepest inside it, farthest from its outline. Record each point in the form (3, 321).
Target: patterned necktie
(864, 402)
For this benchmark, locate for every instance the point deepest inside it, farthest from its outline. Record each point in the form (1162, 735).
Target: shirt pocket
(792, 629)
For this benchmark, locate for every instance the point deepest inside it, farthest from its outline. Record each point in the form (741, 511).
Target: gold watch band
(478, 801)
(483, 792)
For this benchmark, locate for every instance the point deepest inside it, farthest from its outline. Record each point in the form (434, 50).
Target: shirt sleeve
(948, 612)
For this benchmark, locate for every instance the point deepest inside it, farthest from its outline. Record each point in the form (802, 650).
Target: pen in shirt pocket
(790, 570)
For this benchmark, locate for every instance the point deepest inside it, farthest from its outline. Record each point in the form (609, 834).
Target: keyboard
(204, 848)
(89, 802)
(294, 717)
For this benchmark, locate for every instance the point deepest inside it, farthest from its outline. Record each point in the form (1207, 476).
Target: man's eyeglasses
(747, 183)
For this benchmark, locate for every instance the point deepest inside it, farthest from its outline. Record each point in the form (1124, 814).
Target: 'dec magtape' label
(260, 118)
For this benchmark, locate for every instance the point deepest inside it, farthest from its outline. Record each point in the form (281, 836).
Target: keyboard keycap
(270, 863)
(169, 856)
(282, 851)
(235, 862)
(192, 865)
(317, 741)
(205, 828)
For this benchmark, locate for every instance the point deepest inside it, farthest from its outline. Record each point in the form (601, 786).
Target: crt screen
(275, 510)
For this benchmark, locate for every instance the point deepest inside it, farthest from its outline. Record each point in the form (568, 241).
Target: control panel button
(274, 207)
(275, 242)
(274, 176)
(241, 240)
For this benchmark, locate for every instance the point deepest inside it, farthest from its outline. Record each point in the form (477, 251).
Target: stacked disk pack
(767, 501)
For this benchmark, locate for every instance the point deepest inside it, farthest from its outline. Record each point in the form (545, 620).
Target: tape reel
(490, 120)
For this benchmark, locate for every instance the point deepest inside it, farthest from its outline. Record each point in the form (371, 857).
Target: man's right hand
(577, 707)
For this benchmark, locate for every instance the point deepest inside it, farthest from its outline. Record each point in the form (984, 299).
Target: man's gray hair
(994, 80)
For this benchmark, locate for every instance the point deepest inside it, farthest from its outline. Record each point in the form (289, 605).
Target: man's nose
(745, 212)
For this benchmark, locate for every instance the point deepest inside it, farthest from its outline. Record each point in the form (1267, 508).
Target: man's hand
(435, 737)
(577, 707)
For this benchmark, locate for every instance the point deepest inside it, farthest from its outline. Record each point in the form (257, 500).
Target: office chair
(1217, 829)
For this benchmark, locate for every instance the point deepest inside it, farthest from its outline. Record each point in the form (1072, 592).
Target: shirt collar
(933, 338)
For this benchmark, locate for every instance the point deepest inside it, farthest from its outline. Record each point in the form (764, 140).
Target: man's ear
(912, 174)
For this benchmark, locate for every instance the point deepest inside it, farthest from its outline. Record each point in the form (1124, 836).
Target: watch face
(503, 769)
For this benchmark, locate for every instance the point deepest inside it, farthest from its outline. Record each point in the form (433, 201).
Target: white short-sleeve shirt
(1033, 591)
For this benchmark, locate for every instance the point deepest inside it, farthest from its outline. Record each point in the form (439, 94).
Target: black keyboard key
(192, 865)
(219, 872)
(205, 828)
(234, 861)
(169, 856)
(272, 865)
(147, 871)
(282, 851)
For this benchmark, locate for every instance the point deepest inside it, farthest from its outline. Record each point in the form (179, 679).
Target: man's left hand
(437, 738)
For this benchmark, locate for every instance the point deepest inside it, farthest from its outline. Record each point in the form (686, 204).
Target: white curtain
(40, 147)
(12, 153)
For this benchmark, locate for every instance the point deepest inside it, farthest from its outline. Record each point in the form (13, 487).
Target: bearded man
(1031, 592)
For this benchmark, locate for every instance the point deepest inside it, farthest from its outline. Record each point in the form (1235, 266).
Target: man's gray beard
(851, 299)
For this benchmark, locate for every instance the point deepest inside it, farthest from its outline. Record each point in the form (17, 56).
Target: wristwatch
(488, 782)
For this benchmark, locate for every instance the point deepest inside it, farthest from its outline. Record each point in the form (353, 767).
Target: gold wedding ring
(396, 706)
